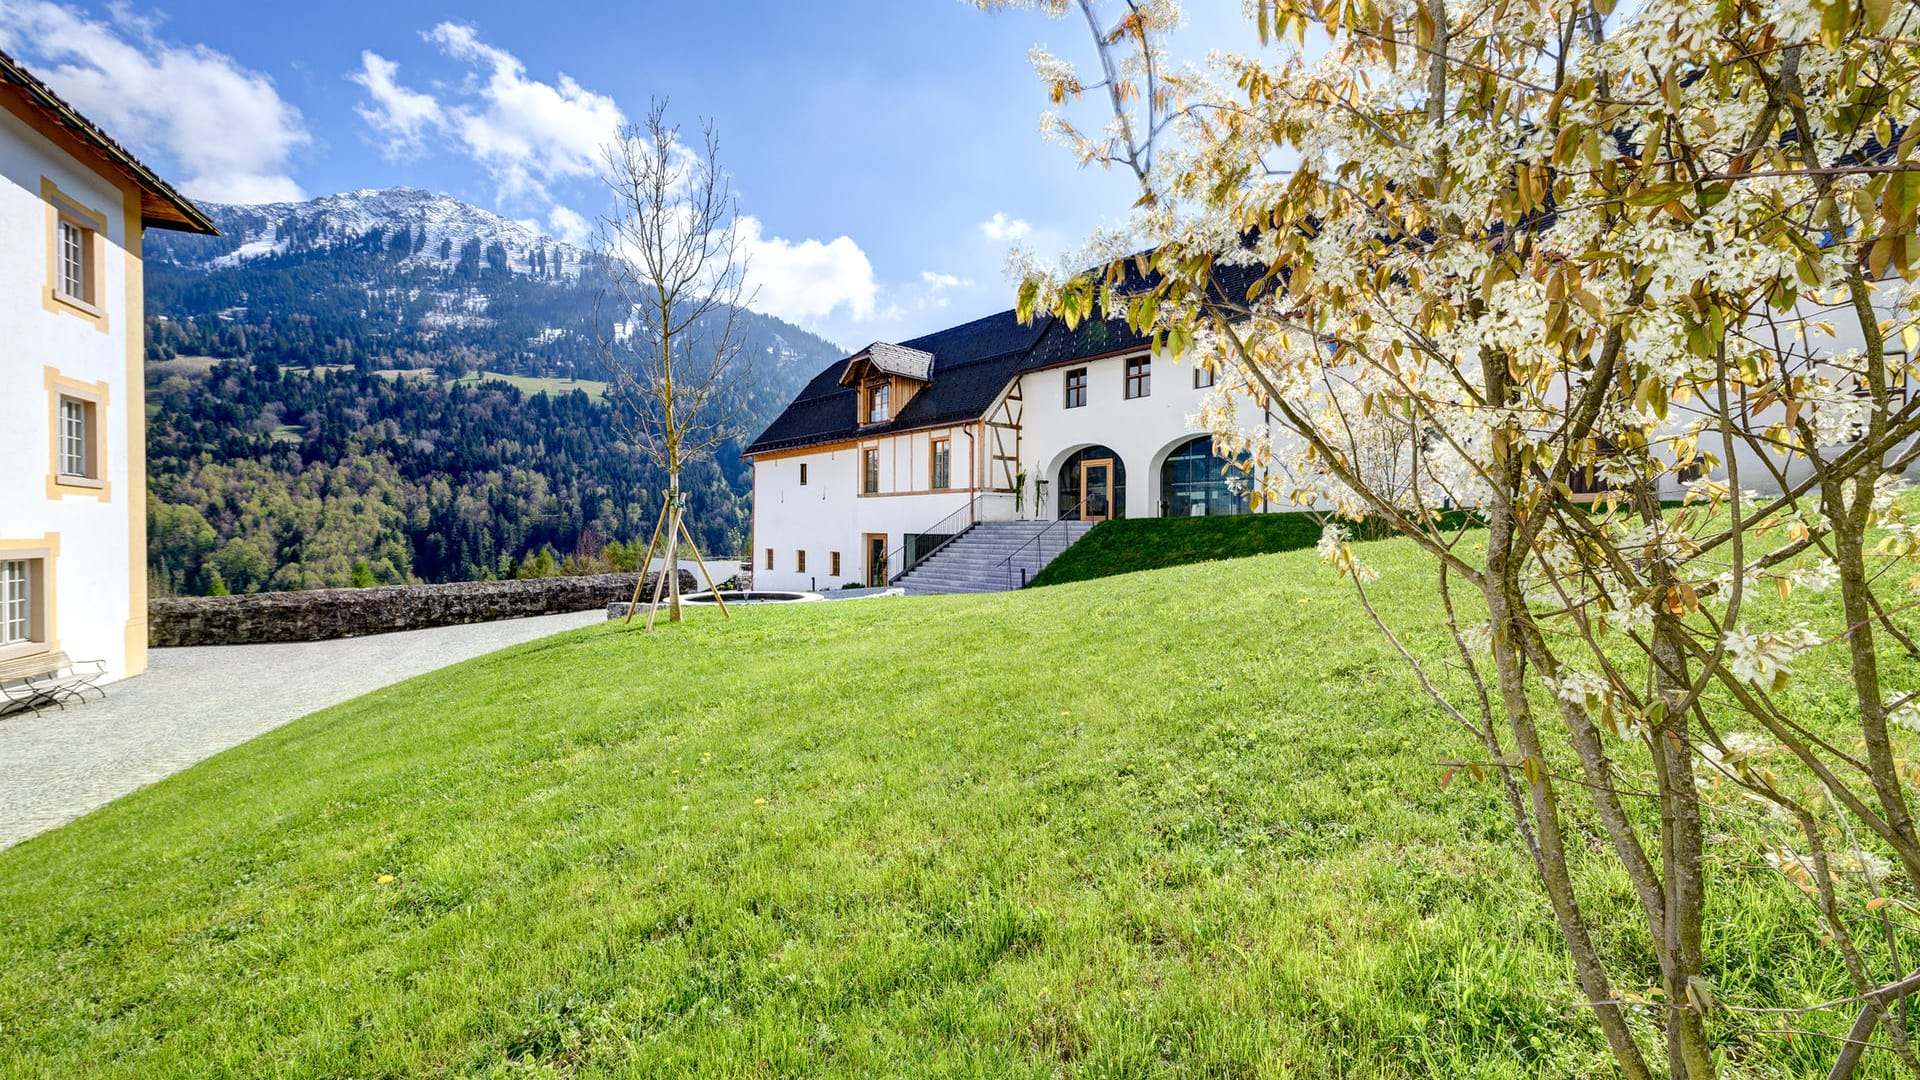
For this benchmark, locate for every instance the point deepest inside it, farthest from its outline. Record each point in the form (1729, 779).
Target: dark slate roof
(1060, 345)
(972, 364)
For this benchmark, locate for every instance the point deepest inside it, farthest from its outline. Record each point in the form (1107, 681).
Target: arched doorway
(1193, 482)
(1093, 485)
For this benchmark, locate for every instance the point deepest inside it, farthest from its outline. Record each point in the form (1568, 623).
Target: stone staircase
(976, 562)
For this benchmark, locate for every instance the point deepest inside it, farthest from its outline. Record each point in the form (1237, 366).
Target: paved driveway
(193, 703)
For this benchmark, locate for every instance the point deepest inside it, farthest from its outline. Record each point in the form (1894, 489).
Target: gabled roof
(892, 359)
(967, 368)
(160, 205)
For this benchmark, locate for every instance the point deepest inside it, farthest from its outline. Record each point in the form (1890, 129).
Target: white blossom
(1766, 657)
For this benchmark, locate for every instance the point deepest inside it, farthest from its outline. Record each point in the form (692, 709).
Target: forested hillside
(269, 478)
(305, 429)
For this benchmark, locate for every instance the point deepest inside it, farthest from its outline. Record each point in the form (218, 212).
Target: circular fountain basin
(753, 596)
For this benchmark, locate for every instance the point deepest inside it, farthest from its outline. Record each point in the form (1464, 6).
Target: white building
(73, 546)
(900, 446)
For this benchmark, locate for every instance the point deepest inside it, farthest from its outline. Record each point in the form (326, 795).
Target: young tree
(1666, 252)
(677, 289)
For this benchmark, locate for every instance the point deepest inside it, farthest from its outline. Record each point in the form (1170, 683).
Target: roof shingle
(967, 368)
(970, 365)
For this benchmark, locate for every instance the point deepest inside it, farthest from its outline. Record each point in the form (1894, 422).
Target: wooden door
(1096, 489)
(876, 559)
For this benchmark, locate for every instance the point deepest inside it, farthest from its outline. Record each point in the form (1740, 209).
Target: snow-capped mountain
(422, 229)
(397, 278)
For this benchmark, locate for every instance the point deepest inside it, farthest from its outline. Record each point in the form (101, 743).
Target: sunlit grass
(535, 384)
(1186, 823)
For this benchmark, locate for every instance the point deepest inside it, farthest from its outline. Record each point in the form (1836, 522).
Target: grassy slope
(1133, 544)
(1065, 831)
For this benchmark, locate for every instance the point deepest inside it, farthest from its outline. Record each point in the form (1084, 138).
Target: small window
(73, 262)
(75, 440)
(833, 563)
(22, 589)
(942, 463)
(769, 558)
(1139, 377)
(877, 403)
(1586, 480)
(803, 474)
(1202, 376)
(1076, 388)
(800, 562)
(870, 472)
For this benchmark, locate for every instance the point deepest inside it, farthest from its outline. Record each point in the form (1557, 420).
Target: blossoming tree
(1598, 279)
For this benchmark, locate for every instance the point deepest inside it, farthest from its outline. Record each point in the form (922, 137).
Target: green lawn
(1182, 824)
(1132, 544)
(1129, 545)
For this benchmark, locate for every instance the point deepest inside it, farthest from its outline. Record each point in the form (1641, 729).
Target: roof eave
(160, 205)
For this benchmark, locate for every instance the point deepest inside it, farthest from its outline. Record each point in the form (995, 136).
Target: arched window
(1193, 482)
(1108, 477)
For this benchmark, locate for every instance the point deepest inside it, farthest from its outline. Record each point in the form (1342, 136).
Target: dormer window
(886, 377)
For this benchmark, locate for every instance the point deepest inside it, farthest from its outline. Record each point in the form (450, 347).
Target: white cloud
(403, 118)
(533, 137)
(567, 224)
(807, 280)
(526, 132)
(221, 126)
(934, 288)
(1002, 227)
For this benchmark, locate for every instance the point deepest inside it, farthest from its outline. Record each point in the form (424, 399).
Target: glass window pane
(73, 438)
(72, 261)
(1193, 483)
(16, 624)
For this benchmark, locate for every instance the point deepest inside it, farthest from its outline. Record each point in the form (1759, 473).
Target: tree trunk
(1505, 613)
(675, 526)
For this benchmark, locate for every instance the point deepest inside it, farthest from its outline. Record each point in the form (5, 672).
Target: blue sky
(887, 150)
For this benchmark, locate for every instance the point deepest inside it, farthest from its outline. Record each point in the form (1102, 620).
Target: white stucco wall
(97, 567)
(830, 513)
(1141, 431)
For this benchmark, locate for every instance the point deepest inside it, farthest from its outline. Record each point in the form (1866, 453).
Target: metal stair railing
(945, 529)
(1038, 543)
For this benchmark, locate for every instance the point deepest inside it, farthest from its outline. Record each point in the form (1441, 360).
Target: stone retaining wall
(322, 614)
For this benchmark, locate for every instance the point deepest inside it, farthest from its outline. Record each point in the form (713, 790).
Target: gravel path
(195, 702)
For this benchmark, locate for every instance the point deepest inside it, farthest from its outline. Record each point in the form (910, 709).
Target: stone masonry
(325, 614)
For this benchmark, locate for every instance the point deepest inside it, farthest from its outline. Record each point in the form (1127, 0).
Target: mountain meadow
(391, 386)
